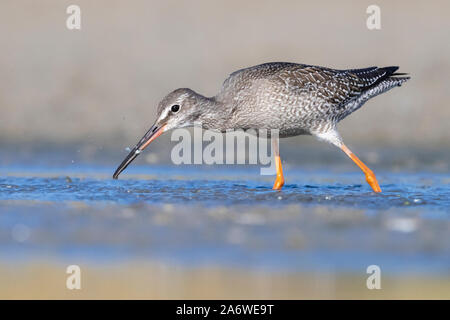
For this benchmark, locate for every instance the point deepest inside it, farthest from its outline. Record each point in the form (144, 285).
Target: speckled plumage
(291, 98)
(294, 98)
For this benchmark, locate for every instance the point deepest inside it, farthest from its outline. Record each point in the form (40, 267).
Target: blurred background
(99, 86)
(71, 101)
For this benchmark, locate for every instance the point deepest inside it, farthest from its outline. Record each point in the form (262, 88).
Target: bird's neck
(213, 113)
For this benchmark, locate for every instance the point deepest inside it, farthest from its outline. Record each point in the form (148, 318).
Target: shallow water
(225, 186)
(227, 216)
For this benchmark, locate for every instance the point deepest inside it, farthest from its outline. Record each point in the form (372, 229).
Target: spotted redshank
(292, 98)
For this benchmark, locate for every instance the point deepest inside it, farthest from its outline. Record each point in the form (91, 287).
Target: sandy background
(44, 280)
(100, 85)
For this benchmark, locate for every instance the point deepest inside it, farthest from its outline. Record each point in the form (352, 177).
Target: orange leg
(370, 176)
(279, 181)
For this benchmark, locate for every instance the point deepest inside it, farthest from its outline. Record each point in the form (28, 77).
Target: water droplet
(137, 151)
(127, 149)
(20, 233)
(280, 197)
(405, 225)
(236, 236)
(250, 219)
(127, 213)
(417, 200)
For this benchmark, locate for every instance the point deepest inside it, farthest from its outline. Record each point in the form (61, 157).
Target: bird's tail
(387, 75)
(375, 81)
(398, 78)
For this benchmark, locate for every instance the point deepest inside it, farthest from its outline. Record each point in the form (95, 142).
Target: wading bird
(292, 98)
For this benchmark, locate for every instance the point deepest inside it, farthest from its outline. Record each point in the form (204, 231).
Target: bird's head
(180, 108)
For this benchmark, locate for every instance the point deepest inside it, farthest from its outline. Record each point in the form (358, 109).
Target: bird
(295, 99)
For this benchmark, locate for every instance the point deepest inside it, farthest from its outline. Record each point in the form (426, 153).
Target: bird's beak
(154, 132)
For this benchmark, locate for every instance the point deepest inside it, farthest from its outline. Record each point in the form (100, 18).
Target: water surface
(227, 216)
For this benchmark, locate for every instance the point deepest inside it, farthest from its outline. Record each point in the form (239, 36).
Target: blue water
(227, 216)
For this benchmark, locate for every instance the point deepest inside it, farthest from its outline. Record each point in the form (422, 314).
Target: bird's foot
(279, 182)
(372, 181)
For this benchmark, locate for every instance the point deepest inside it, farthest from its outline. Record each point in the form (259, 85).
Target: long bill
(151, 135)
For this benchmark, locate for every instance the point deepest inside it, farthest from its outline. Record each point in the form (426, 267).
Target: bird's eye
(175, 108)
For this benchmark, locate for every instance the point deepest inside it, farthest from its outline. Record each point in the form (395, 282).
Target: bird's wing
(335, 87)
(248, 75)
